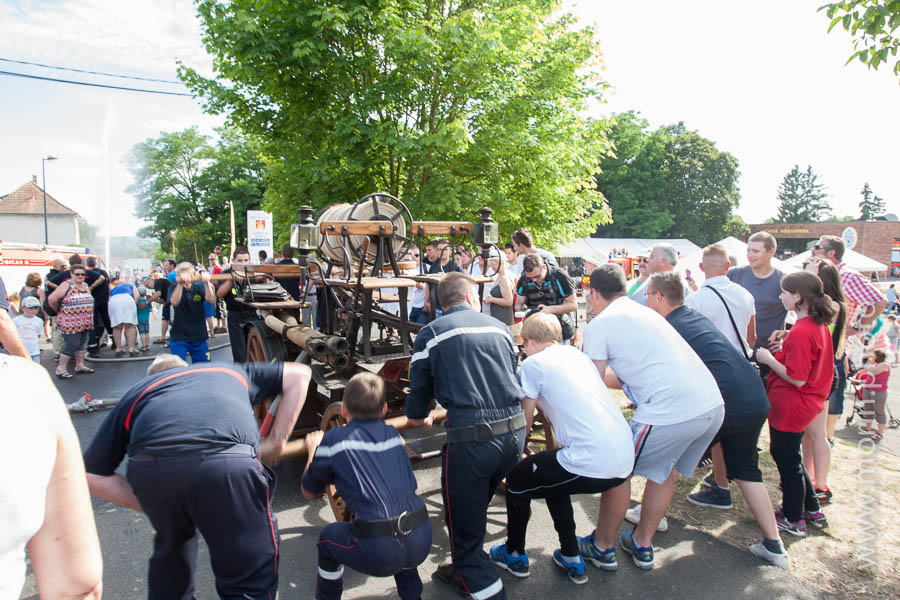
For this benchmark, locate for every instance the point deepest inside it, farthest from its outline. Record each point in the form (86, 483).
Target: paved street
(689, 564)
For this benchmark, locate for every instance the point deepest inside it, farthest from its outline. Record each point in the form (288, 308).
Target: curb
(147, 357)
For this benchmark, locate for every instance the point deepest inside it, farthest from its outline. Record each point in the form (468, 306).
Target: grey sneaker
(633, 515)
(780, 559)
(714, 497)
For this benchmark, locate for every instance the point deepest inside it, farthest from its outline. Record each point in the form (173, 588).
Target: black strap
(733, 324)
(399, 526)
(482, 432)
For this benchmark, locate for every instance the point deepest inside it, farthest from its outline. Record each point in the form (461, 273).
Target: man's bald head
(715, 260)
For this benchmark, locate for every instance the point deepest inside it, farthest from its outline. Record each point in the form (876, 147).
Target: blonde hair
(542, 328)
(185, 266)
(164, 362)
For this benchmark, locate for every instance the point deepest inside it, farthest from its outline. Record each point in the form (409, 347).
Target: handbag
(269, 291)
(734, 325)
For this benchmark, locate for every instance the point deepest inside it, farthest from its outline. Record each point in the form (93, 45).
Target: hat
(31, 302)
(595, 258)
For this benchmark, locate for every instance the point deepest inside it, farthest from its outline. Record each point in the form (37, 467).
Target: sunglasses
(77, 274)
(820, 247)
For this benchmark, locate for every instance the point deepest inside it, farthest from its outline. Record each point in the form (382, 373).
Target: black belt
(402, 525)
(237, 450)
(482, 432)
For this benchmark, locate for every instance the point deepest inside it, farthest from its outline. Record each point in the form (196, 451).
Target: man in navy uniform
(390, 533)
(195, 465)
(466, 361)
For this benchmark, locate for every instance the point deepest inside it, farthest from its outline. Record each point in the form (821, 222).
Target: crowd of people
(705, 367)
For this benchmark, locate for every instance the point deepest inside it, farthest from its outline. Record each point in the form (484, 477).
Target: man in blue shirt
(390, 533)
(466, 361)
(746, 409)
(195, 465)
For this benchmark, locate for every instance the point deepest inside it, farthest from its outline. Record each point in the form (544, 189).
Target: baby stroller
(856, 380)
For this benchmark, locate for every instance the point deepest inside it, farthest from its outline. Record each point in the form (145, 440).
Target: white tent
(585, 247)
(736, 249)
(854, 260)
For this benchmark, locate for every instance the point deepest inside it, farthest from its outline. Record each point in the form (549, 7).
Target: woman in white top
(44, 502)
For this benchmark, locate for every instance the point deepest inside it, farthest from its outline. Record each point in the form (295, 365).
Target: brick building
(22, 217)
(879, 240)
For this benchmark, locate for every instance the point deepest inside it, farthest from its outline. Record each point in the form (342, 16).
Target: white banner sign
(259, 233)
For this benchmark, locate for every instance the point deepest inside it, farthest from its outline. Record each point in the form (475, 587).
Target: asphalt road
(689, 563)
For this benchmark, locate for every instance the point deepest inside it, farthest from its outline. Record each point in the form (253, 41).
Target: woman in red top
(798, 386)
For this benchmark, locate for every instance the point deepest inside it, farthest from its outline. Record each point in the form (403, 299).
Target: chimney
(34, 179)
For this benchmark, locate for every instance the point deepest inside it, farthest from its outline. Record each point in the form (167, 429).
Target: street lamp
(44, 184)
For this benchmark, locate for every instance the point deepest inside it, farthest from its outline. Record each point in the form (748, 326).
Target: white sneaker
(633, 515)
(779, 560)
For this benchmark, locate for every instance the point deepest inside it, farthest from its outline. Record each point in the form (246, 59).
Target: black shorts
(540, 476)
(739, 437)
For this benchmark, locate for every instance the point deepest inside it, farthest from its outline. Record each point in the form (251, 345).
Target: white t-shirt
(669, 382)
(739, 301)
(30, 330)
(24, 476)
(596, 440)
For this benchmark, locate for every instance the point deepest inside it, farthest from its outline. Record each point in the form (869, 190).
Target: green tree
(668, 183)
(633, 180)
(87, 232)
(702, 186)
(236, 174)
(736, 227)
(871, 204)
(872, 24)
(801, 197)
(448, 105)
(182, 183)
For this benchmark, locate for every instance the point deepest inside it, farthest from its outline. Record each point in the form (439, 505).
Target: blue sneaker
(575, 570)
(602, 559)
(517, 565)
(642, 557)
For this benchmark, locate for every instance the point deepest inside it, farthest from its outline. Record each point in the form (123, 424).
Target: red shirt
(806, 352)
(216, 270)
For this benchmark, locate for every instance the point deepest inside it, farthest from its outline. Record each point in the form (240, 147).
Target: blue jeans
(199, 351)
(417, 315)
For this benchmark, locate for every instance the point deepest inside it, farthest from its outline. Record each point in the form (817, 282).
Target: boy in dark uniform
(390, 533)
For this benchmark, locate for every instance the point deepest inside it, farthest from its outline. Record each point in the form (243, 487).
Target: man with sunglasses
(548, 289)
(866, 301)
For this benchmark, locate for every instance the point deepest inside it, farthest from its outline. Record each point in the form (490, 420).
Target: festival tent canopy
(736, 249)
(586, 247)
(854, 260)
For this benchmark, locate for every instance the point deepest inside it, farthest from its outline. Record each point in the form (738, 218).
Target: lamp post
(44, 184)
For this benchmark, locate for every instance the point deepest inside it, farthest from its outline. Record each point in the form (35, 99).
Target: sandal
(120, 353)
(133, 353)
(876, 437)
(86, 370)
(64, 375)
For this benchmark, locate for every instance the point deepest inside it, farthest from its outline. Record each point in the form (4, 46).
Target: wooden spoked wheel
(263, 345)
(541, 434)
(332, 418)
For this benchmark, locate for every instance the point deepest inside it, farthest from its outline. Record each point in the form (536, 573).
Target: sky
(763, 80)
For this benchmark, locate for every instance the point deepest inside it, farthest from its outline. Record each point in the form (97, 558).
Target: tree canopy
(871, 204)
(183, 182)
(449, 105)
(872, 24)
(671, 182)
(801, 197)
